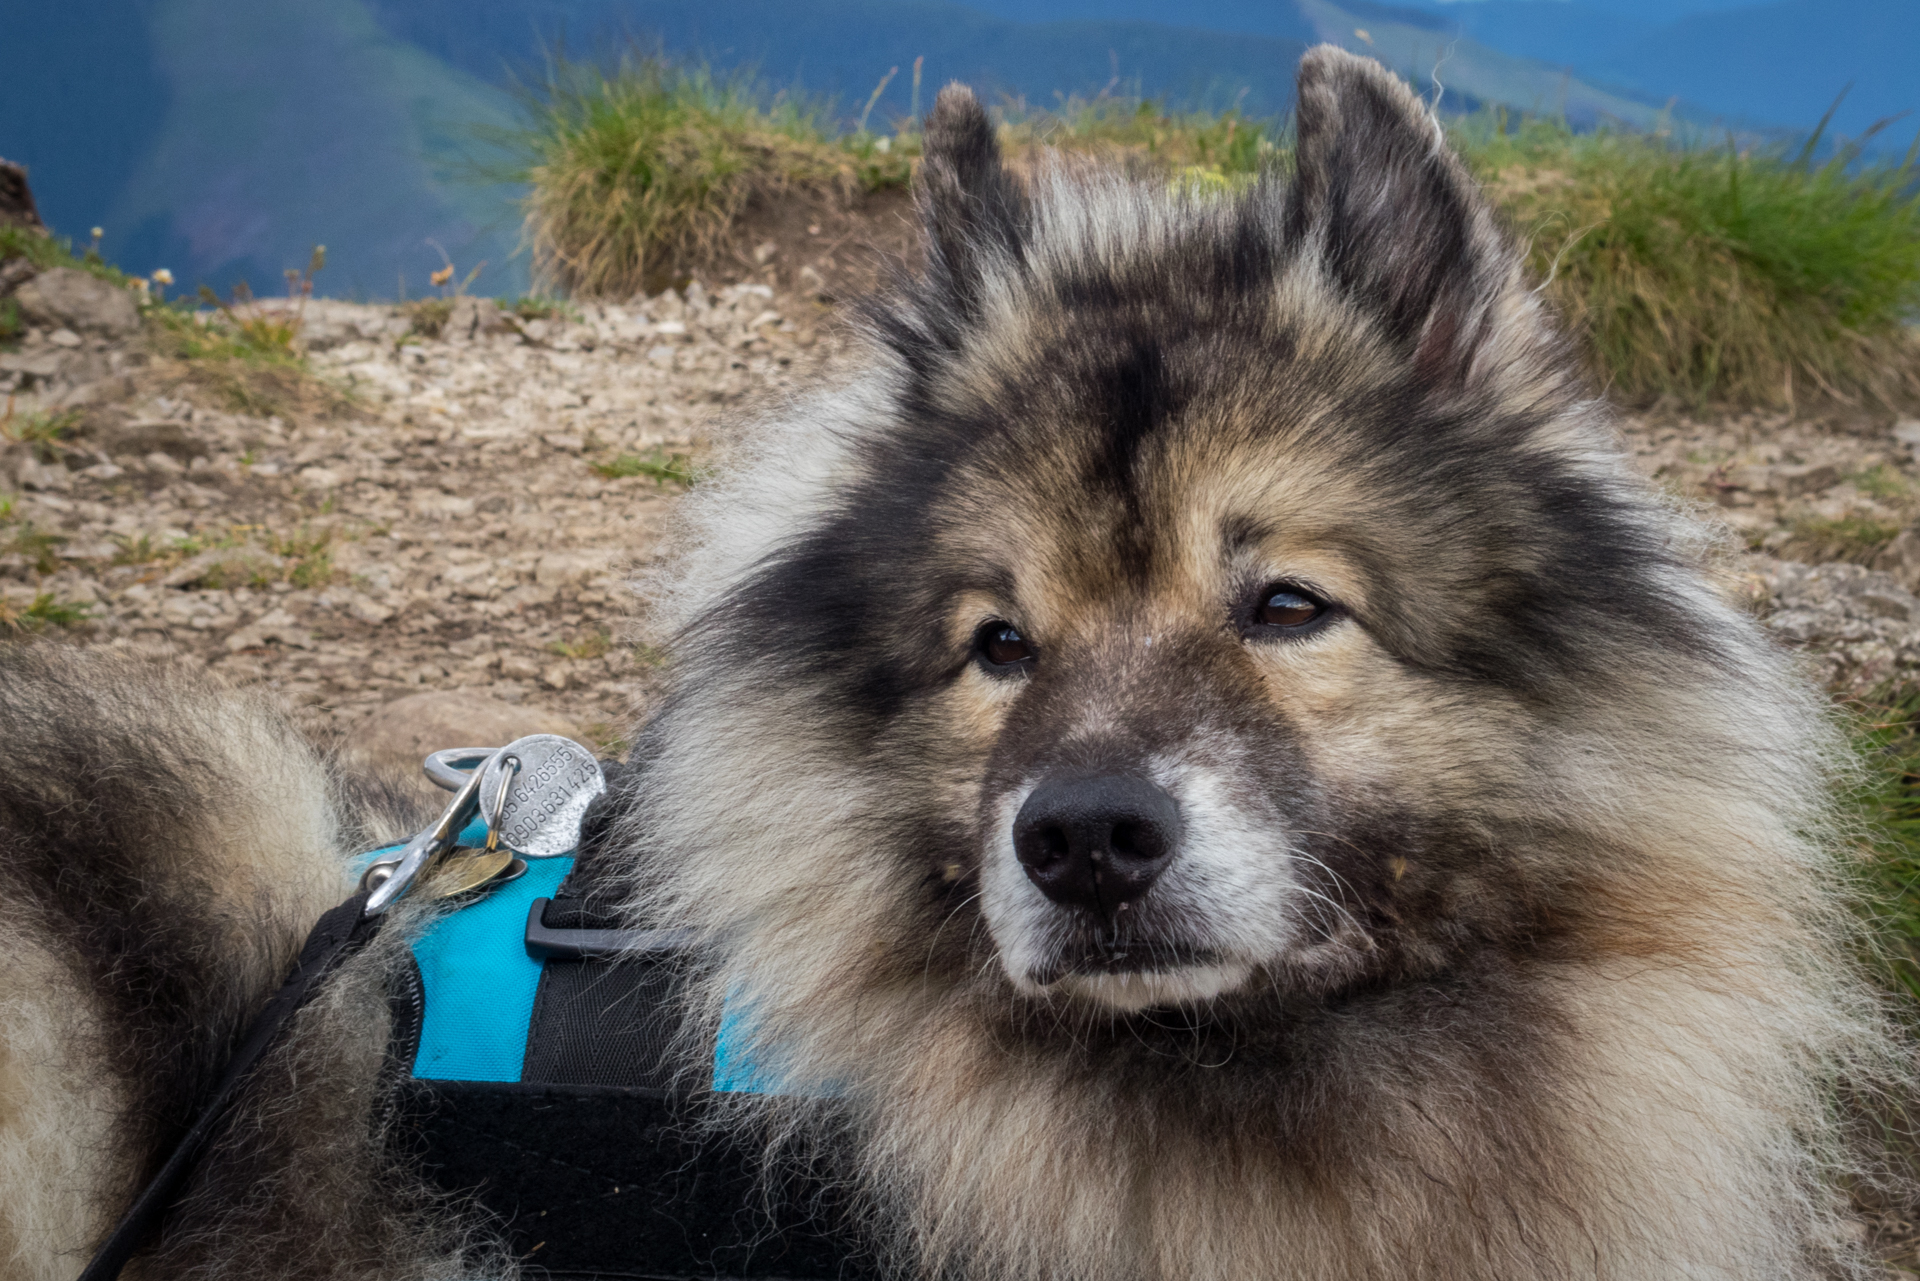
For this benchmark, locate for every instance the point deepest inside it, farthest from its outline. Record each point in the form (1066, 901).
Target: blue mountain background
(224, 140)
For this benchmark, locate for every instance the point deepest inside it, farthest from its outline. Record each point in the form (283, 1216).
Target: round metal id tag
(547, 797)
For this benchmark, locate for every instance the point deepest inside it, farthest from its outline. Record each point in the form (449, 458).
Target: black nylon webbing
(601, 1183)
(600, 1022)
(335, 935)
(595, 1162)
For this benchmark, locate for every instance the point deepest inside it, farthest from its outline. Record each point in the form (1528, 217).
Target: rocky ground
(462, 520)
(462, 517)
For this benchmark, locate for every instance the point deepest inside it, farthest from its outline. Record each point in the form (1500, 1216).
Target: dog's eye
(1287, 608)
(1000, 644)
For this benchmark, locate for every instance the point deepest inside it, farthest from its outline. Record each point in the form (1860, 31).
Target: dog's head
(1203, 594)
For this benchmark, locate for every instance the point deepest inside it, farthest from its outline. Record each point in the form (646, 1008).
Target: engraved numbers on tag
(548, 795)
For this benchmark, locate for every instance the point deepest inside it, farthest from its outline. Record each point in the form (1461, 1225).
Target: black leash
(340, 932)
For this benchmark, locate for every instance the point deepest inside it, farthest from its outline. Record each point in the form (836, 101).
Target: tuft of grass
(1213, 148)
(252, 366)
(40, 549)
(428, 315)
(1884, 483)
(47, 252)
(656, 464)
(1886, 801)
(539, 307)
(247, 355)
(308, 556)
(639, 166)
(139, 550)
(1854, 537)
(259, 556)
(44, 611)
(42, 431)
(1714, 273)
(593, 645)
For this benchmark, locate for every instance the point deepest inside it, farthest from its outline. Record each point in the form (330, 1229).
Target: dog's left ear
(1380, 200)
(976, 213)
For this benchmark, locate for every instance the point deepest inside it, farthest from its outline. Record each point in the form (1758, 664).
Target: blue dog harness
(536, 1067)
(479, 969)
(542, 1074)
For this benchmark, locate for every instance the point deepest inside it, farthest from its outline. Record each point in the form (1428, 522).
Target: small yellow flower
(163, 277)
(443, 275)
(97, 233)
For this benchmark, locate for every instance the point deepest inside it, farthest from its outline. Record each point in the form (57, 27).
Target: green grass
(1226, 145)
(1886, 800)
(428, 315)
(260, 556)
(47, 252)
(638, 168)
(249, 363)
(641, 165)
(43, 431)
(44, 611)
(307, 556)
(656, 464)
(248, 357)
(1855, 537)
(539, 307)
(592, 645)
(40, 549)
(1885, 483)
(1715, 273)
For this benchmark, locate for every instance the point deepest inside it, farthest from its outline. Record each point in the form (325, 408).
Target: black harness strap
(604, 1013)
(595, 1164)
(335, 936)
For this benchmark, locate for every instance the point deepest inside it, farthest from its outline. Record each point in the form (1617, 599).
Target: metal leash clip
(540, 785)
(471, 869)
(392, 877)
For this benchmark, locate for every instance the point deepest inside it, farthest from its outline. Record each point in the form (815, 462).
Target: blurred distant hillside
(224, 140)
(1778, 64)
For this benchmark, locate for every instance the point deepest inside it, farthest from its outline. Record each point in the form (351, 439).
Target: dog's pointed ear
(1384, 205)
(976, 213)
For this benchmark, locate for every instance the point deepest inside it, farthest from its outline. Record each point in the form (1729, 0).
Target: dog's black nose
(1096, 841)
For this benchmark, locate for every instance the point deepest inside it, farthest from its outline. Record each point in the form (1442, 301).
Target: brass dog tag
(467, 869)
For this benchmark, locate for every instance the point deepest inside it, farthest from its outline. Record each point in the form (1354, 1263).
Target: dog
(1198, 760)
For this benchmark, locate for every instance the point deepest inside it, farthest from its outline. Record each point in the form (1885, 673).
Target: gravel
(464, 539)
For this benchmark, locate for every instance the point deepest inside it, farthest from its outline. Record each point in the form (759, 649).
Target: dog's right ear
(976, 213)
(1392, 217)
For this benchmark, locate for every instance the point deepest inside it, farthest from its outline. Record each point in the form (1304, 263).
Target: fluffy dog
(1199, 761)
